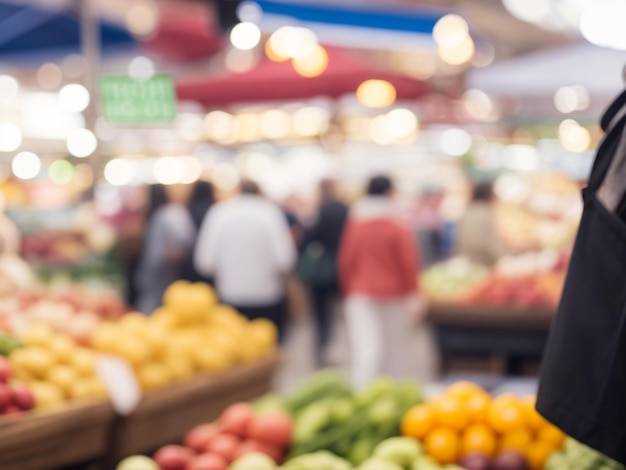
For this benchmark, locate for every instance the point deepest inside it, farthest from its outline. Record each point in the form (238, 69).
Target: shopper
(201, 199)
(379, 264)
(318, 262)
(169, 238)
(245, 244)
(477, 236)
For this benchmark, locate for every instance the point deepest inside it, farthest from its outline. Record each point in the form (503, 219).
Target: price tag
(119, 379)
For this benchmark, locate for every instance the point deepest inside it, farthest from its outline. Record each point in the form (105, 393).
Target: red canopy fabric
(271, 81)
(185, 34)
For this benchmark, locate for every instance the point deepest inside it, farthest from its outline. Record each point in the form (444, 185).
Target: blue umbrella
(31, 32)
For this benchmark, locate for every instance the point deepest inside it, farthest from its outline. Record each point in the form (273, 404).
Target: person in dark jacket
(201, 199)
(325, 235)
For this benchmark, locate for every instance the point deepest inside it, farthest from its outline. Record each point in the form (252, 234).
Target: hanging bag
(582, 386)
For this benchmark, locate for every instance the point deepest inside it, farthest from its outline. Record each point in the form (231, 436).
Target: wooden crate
(164, 416)
(74, 434)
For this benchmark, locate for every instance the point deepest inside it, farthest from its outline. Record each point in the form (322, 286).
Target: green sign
(129, 101)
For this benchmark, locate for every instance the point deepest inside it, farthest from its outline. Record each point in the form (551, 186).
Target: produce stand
(506, 336)
(75, 434)
(164, 416)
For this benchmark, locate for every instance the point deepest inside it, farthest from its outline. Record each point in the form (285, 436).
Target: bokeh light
(245, 36)
(455, 142)
(376, 94)
(10, 137)
(312, 64)
(26, 165)
(571, 98)
(81, 143)
(169, 170)
(49, 76)
(275, 124)
(401, 123)
(118, 172)
(61, 172)
(9, 88)
(310, 121)
(573, 137)
(74, 98)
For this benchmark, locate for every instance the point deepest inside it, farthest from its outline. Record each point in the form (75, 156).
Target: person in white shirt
(245, 244)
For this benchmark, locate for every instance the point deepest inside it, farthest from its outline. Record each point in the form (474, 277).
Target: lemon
(83, 362)
(63, 377)
(46, 394)
(152, 376)
(38, 360)
(63, 348)
(37, 335)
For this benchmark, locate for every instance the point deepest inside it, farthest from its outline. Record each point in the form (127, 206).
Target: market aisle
(298, 362)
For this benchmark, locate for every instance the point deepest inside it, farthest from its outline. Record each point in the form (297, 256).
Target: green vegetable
(8, 344)
(402, 451)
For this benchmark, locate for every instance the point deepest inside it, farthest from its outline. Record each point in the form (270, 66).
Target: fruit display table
(75, 434)
(164, 416)
(506, 336)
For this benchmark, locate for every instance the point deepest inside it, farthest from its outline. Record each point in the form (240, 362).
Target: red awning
(271, 81)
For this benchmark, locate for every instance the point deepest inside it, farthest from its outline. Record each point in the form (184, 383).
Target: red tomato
(199, 437)
(173, 457)
(236, 419)
(272, 428)
(224, 445)
(207, 462)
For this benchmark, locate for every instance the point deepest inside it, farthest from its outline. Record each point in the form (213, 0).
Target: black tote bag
(582, 386)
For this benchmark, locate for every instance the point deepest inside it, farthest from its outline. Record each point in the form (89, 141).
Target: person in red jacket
(378, 268)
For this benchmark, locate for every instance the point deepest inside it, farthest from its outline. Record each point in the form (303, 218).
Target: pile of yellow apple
(55, 368)
(191, 333)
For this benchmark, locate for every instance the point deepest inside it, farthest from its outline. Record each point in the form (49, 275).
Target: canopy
(33, 32)
(271, 81)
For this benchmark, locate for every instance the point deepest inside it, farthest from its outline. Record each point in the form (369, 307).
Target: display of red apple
(236, 419)
(273, 428)
(237, 432)
(5, 370)
(199, 437)
(14, 400)
(173, 457)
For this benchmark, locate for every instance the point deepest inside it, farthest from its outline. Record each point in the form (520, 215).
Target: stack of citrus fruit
(190, 333)
(54, 368)
(465, 420)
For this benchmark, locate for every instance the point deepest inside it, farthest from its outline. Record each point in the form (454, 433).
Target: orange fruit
(506, 399)
(478, 407)
(418, 421)
(465, 390)
(506, 416)
(478, 438)
(553, 435)
(533, 418)
(451, 412)
(518, 439)
(442, 444)
(537, 454)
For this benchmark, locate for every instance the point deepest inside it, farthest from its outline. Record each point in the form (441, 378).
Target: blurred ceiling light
(141, 68)
(571, 98)
(290, 42)
(310, 121)
(118, 172)
(275, 124)
(451, 31)
(61, 172)
(74, 98)
(169, 170)
(245, 36)
(218, 126)
(26, 165)
(142, 18)
(247, 127)
(49, 76)
(521, 157)
(238, 61)
(573, 137)
(378, 131)
(192, 170)
(9, 88)
(74, 65)
(531, 11)
(601, 23)
(10, 137)
(512, 187)
(401, 123)
(376, 94)
(455, 142)
(249, 11)
(458, 55)
(313, 64)
(83, 175)
(479, 106)
(225, 176)
(81, 143)
(189, 126)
